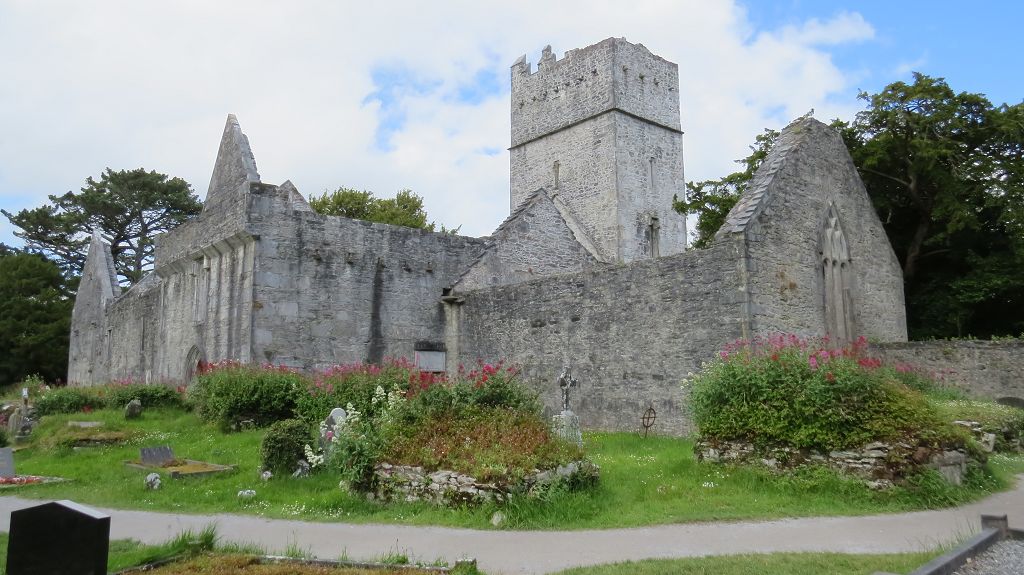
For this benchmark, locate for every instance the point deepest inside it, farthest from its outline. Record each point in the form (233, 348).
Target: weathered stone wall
(131, 345)
(589, 81)
(649, 171)
(329, 290)
(535, 241)
(984, 369)
(600, 127)
(87, 354)
(781, 219)
(585, 154)
(630, 332)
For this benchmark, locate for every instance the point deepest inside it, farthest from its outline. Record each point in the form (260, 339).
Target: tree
(405, 209)
(129, 207)
(35, 317)
(711, 200)
(945, 171)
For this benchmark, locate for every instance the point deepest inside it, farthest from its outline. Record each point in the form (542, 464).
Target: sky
(386, 95)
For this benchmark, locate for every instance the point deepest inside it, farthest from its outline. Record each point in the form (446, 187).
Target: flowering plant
(783, 390)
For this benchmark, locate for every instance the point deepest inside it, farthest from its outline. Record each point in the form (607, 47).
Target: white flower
(313, 458)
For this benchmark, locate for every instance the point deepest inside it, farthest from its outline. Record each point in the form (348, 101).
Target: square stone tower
(600, 130)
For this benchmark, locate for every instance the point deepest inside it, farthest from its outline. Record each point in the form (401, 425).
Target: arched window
(837, 275)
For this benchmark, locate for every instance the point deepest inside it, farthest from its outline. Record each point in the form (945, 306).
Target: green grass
(775, 563)
(643, 482)
(125, 553)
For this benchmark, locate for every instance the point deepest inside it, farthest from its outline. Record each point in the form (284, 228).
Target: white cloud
(127, 84)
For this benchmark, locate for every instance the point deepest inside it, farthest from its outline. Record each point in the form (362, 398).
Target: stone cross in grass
(566, 381)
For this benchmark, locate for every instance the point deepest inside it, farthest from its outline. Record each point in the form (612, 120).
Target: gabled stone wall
(781, 220)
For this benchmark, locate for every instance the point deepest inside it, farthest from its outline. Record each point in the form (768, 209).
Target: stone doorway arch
(194, 361)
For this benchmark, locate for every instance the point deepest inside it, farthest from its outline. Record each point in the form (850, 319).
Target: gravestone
(329, 428)
(156, 456)
(6, 462)
(567, 424)
(60, 537)
(133, 410)
(14, 422)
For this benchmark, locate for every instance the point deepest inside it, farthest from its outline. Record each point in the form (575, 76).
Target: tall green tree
(35, 317)
(129, 207)
(945, 171)
(405, 209)
(711, 200)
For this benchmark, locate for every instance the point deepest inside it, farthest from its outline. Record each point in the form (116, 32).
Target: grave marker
(156, 456)
(60, 537)
(6, 462)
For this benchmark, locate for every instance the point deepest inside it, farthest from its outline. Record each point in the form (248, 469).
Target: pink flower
(723, 354)
(812, 362)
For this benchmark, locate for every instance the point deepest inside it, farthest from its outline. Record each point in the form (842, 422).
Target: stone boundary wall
(631, 333)
(985, 369)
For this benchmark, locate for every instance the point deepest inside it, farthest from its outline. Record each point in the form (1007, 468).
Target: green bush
(283, 445)
(118, 395)
(229, 394)
(353, 384)
(483, 423)
(68, 400)
(783, 391)
(4, 440)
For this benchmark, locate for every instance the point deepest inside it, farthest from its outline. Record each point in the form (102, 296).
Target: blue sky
(401, 94)
(974, 45)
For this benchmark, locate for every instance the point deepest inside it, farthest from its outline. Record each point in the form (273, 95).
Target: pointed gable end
(536, 240)
(234, 170)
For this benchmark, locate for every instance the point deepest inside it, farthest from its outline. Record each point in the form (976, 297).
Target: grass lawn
(643, 482)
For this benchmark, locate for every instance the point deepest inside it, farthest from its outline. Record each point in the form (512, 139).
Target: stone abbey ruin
(590, 269)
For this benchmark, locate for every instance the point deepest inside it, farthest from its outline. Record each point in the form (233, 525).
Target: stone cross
(566, 382)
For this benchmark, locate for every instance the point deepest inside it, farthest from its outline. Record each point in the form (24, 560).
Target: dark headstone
(62, 537)
(6, 462)
(157, 456)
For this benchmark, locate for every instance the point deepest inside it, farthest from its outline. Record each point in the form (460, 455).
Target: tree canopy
(711, 200)
(35, 317)
(945, 171)
(405, 209)
(129, 208)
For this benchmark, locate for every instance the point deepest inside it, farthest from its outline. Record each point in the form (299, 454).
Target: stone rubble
(881, 465)
(450, 488)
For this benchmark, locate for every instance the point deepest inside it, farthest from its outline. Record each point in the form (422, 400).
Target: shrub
(283, 445)
(229, 393)
(68, 400)
(4, 440)
(783, 391)
(492, 443)
(482, 423)
(351, 384)
(118, 395)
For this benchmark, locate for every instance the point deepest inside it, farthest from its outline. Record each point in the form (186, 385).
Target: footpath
(513, 552)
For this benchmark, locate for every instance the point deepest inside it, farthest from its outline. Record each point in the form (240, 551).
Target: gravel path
(1003, 558)
(514, 552)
